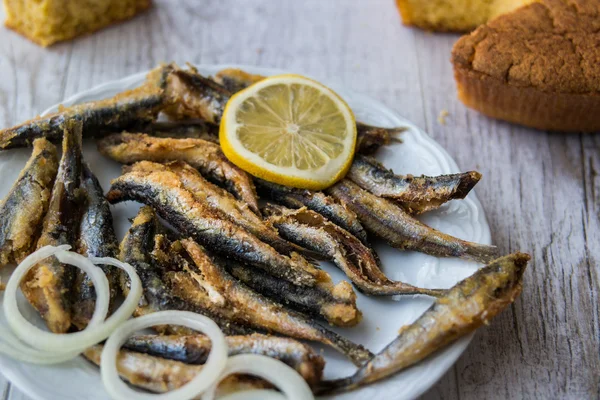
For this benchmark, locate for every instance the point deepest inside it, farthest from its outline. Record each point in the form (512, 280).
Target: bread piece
(49, 21)
(538, 66)
(453, 15)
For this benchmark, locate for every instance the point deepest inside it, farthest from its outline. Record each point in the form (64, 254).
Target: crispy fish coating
(120, 112)
(359, 263)
(189, 129)
(337, 306)
(96, 239)
(207, 157)
(136, 249)
(25, 205)
(164, 191)
(416, 194)
(205, 281)
(160, 375)
(401, 230)
(468, 305)
(222, 202)
(194, 96)
(334, 211)
(49, 286)
(234, 79)
(194, 349)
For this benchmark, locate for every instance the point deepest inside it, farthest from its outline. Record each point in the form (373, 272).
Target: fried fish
(96, 239)
(222, 202)
(359, 263)
(468, 305)
(160, 375)
(25, 205)
(120, 112)
(189, 129)
(401, 230)
(234, 79)
(334, 211)
(370, 138)
(194, 96)
(49, 285)
(416, 194)
(136, 249)
(207, 157)
(166, 194)
(205, 282)
(194, 350)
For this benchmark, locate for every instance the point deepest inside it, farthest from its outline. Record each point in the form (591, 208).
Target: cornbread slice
(49, 21)
(454, 15)
(538, 66)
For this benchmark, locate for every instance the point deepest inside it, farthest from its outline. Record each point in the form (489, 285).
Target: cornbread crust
(453, 15)
(46, 22)
(538, 66)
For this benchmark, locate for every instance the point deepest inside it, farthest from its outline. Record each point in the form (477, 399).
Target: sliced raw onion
(215, 364)
(43, 345)
(284, 377)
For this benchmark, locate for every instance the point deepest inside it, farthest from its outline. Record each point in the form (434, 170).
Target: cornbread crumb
(49, 21)
(442, 117)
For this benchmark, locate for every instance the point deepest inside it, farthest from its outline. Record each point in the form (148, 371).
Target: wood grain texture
(541, 191)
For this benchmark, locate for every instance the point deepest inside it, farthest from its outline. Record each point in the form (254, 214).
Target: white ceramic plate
(418, 154)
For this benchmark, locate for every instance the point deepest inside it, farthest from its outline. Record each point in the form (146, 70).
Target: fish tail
(395, 132)
(327, 387)
(468, 180)
(482, 252)
(354, 351)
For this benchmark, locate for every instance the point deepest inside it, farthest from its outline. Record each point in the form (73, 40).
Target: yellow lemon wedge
(290, 130)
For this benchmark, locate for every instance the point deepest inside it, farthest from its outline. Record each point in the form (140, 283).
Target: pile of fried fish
(202, 242)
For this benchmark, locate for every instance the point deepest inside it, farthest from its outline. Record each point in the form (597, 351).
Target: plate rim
(459, 346)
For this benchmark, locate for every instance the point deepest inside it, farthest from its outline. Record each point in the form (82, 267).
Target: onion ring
(284, 377)
(215, 364)
(28, 343)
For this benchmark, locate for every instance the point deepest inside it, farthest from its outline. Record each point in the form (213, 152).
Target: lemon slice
(290, 130)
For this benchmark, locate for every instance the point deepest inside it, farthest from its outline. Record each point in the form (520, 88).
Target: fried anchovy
(25, 205)
(96, 239)
(234, 79)
(401, 230)
(222, 202)
(359, 263)
(49, 286)
(159, 375)
(368, 138)
(190, 129)
(194, 96)
(165, 193)
(206, 282)
(468, 305)
(194, 349)
(207, 157)
(416, 194)
(136, 249)
(335, 212)
(114, 114)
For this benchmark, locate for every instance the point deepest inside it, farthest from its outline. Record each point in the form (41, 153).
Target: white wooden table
(541, 191)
